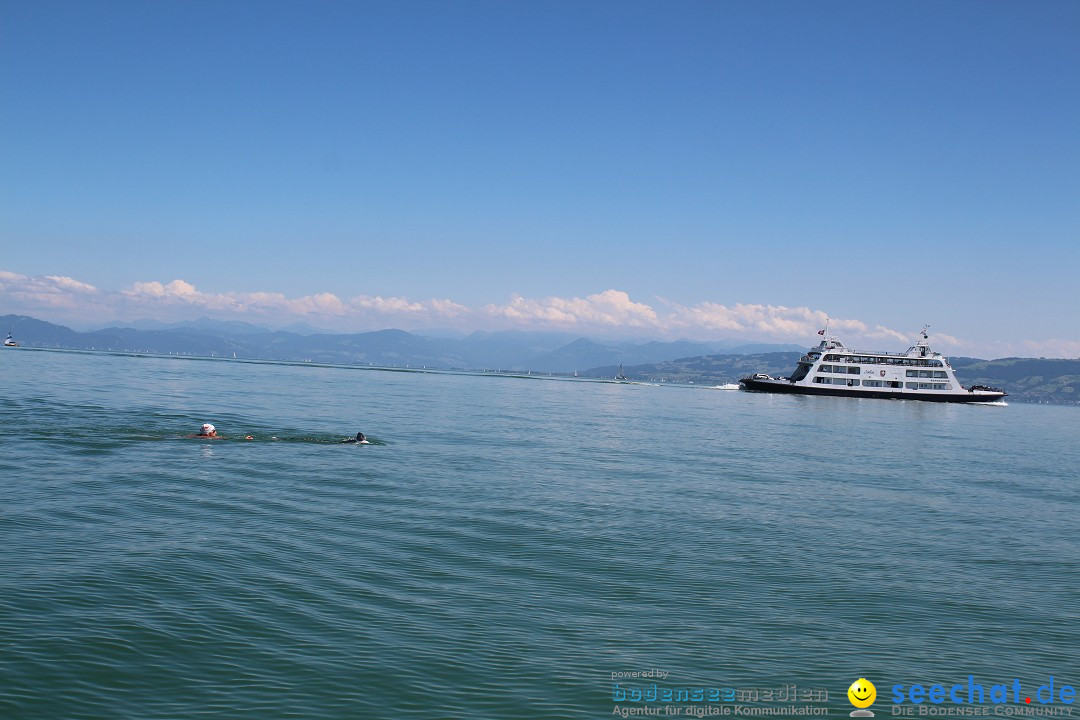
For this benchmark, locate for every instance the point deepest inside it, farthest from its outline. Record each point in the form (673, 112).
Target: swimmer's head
(207, 429)
(360, 437)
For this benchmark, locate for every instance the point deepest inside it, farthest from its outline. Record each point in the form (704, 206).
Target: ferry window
(940, 374)
(851, 383)
(913, 373)
(913, 386)
(825, 368)
(926, 373)
(935, 363)
(872, 383)
(894, 383)
(854, 370)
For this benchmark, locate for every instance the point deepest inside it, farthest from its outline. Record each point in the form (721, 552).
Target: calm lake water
(505, 545)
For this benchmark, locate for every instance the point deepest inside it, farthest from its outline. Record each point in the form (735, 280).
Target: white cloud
(775, 321)
(50, 291)
(324, 304)
(880, 331)
(448, 308)
(391, 305)
(67, 283)
(1058, 347)
(318, 304)
(611, 308)
(176, 290)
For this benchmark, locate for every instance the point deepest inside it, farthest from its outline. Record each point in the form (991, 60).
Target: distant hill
(510, 349)
(704, 369)
(203, 324)
(38, 333)
(1038, 380)
(553, 352)
(1041, 380)
(756, 348)
(583, 353)
(211, 339)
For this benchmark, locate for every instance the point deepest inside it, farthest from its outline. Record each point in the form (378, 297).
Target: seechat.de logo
(862, 694)
(975, 693)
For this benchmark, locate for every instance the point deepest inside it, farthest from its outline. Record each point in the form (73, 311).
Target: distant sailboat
(620, 376)
(10, 342)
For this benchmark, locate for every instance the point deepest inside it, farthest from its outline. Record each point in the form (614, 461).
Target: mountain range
(1039, 380)
(552, 352)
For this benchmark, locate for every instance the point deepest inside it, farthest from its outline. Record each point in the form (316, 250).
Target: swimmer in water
(207, 430)
(360, 439)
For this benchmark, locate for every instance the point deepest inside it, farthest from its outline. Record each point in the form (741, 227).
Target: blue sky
(692, 169)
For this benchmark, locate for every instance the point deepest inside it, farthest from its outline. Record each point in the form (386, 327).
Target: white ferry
(832, 369)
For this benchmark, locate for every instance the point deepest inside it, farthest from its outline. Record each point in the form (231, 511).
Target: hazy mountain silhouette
(1031, 379)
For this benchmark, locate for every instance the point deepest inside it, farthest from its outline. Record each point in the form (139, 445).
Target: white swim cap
(207, 428)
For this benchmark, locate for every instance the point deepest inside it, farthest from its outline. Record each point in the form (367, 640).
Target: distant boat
(620, 376)
(10, 342)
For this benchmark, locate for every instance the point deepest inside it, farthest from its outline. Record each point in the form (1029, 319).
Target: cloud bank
(611, 312)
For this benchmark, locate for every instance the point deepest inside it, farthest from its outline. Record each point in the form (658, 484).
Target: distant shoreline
(678, 376)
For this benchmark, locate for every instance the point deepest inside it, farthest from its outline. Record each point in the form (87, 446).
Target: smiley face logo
(862, 693)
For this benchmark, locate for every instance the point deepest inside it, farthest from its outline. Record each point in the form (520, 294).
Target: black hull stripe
(758, 386)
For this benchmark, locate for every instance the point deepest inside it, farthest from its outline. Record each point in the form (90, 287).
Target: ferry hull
(793, 389)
